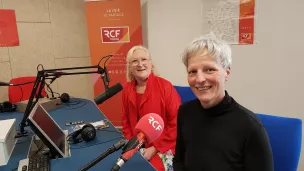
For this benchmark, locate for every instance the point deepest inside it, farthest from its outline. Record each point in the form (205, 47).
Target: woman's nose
(200, 77)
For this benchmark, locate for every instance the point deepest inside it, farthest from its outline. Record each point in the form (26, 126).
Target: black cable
(104, 65)
(38, 150)
(109, 56)
(49, 89)
(20, 84)
(76, 102)
(21, 93)
(70, 104)
(97, 143)
(84, 103)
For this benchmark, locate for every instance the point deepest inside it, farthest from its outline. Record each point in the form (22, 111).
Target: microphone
(108, 93)
(148, 129)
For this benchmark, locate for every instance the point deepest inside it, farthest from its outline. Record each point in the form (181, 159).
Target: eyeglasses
(143, 61)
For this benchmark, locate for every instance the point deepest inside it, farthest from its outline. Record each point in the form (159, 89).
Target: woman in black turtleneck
(214, 132)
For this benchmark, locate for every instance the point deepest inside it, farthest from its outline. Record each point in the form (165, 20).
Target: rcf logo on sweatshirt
(115, 34)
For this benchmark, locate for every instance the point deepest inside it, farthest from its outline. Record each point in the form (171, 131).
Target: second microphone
(108, 93)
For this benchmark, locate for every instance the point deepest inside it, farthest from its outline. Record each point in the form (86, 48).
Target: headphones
(65, 97)
(7, 107)
(86, 133)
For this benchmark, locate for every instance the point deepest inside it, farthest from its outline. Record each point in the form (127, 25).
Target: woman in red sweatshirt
(145, 93)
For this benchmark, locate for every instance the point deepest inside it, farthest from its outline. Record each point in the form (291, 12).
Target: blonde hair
(130, 53)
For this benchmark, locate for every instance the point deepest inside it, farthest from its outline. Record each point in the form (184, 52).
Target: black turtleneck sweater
(226, 137)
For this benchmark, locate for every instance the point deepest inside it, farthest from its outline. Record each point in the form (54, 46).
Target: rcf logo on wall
(115, 34)
(246, 36)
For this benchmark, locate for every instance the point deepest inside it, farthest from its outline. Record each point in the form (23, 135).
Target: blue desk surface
(81, 153)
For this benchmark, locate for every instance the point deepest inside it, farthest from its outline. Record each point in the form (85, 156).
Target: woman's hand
(149, 152)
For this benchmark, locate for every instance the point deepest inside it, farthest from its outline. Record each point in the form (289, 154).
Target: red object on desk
(22, 92)
(8, 28)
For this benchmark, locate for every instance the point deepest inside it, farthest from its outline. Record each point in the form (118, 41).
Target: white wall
(52, 33)
(266, 77)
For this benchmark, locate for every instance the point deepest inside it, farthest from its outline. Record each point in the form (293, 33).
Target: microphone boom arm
(42, 75)
(112, 149)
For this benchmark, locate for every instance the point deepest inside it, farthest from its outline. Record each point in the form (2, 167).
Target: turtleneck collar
(221, 107)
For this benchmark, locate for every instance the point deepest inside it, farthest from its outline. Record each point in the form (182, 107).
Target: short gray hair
(214, 47)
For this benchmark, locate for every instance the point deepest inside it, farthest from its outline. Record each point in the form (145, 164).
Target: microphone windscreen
(115, 89)
(151, 125)
(108, 93)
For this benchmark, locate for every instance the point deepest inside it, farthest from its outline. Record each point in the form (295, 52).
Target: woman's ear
(227, 73)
